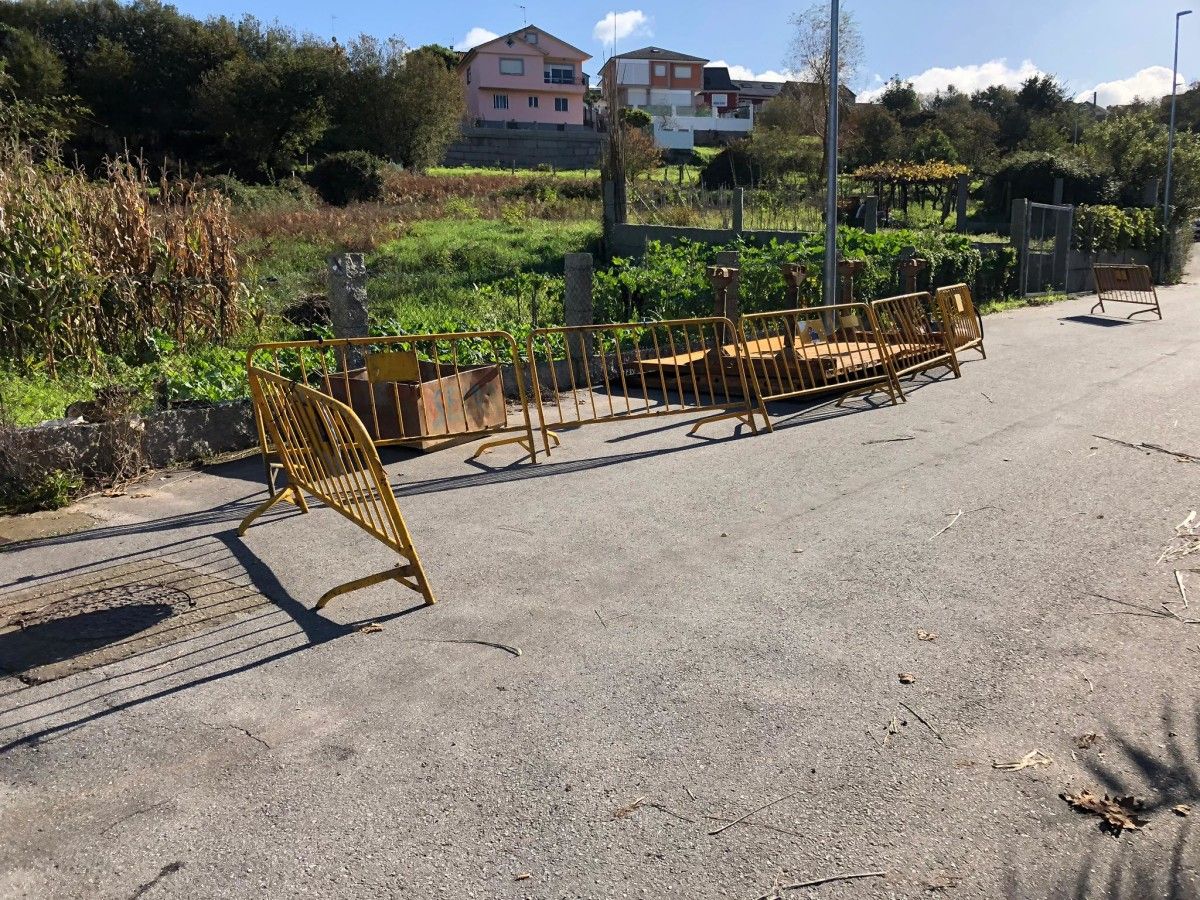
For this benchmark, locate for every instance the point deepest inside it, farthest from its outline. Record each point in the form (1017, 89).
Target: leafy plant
(350, 177)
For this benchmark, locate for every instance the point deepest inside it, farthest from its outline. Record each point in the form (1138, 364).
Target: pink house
(527, 76)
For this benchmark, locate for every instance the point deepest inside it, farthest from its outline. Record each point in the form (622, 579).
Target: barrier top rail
(800, 352)
(598, 373)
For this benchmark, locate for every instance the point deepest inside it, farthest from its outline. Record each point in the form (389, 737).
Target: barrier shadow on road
(228, 615)
(1100, 321)
(1161, 768)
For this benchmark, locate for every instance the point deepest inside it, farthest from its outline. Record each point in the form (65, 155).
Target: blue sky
(1122, 47)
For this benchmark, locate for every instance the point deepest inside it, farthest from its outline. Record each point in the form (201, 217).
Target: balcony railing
(556, 78)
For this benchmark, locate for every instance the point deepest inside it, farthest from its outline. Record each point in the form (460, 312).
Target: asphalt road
(706, 624)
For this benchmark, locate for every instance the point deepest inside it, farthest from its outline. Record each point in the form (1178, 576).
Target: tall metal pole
(831, 149)
(1171, 132)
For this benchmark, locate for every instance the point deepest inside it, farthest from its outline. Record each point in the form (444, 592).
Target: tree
(1042, 94)
(401, 104)
(809, 57)
(35, 69)
(268, 113)
(874, 136)
(930, 144)
(1000, 104)
(900, 98)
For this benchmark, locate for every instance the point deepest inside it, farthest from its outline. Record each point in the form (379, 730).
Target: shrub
(1031, 175)
(350, 177)
(1110, 229)
(290, 193)
(634, 117)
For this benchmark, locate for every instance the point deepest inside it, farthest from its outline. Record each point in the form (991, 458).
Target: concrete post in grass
(739, 210)
(794, 275)
(725, 300)
(347, 285)
(960, 207)
(577, 302)
(870, 214)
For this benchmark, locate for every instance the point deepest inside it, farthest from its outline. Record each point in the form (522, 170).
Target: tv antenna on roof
(524, 14)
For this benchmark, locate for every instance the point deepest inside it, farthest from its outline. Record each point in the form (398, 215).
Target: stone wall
(526, 148)
(105, 451)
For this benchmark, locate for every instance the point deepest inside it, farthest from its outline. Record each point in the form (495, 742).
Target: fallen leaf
(1118, 813)
(923, 635)
(1086, 740)
(371, 628)
(907, 677)
(1181, 810)
(1030, 760)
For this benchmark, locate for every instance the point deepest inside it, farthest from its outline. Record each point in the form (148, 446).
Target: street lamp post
(831, 149)
(1171, 132)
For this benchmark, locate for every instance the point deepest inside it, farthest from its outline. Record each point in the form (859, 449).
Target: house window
(533, 102)
(660, 69)
(683, 71)
(512, 66)
(531, 37)
(499, 101)
(560, 104)
(559, 74)
(720, 101)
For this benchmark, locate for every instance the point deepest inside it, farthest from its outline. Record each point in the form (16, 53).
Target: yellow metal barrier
(800, 352)
(964, 323)
(601, 373)
(910, 328)
(414, 389)
(327, 452)
(1126, 284)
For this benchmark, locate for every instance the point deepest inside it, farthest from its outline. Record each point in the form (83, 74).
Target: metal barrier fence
(910, 328)
(326, 451)
(602, 373)
(414, 390)
(800, 352)
(964, 323)
(1126, 284)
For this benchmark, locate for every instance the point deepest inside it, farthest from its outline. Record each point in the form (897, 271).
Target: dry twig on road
(849, 876)
(741, 819)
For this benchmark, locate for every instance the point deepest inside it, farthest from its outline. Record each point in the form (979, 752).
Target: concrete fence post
(347, 285)
(1018, 236)
(725, 302)
(960, 207)
(870, 214)
(794, 275)
(739, 209)
(577, 302)
(1058, 191)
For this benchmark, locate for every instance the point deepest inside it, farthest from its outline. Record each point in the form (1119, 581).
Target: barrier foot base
(290, 494)
(746, 417)
(525, 442)
(410, 576)
(894, 392)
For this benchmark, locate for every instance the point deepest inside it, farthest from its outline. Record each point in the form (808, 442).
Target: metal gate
(1045, 248)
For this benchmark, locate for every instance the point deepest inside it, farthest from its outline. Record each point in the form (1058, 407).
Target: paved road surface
(707, 624)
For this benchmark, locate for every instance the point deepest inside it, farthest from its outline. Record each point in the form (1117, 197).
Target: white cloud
(1148, 84)
(475, 37)
(745, 73)
(620, 25)
(966, 78)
